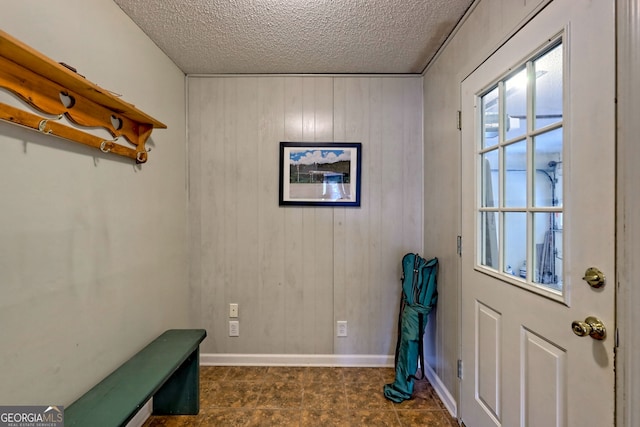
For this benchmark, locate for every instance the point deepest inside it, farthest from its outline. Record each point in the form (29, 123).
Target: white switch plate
(341, 330)
(233, 310)
(234, 328)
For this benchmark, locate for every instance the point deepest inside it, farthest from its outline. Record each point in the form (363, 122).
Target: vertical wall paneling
(323, 257)
(292, 228)
(271, 243)
(207, 170)
(339, 217)
(227, 189)
(386, 298)
(294, 271)
(247, 262)
(356, 234)
(495, 21)
(413, 159)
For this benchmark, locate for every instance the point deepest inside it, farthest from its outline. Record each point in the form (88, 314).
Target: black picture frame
(320, 173)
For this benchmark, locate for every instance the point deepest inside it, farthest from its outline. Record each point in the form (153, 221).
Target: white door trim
(628, 212)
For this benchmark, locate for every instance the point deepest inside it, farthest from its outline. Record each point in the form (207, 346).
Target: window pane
(520, 163)
(489, 239)
(548, 162)
(515, 243)
(548, 249)
(515, 176)
(490, 179)
(548, 88)
(515, 105)
(490, 123)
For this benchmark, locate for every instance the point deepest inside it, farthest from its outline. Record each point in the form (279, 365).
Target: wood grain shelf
(56, 89)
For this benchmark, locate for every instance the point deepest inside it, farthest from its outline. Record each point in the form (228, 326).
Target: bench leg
(180, 395)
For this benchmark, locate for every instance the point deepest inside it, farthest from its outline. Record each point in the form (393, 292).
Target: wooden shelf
(57, 90)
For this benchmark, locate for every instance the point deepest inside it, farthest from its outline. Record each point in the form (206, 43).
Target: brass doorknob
(591, 326)
(594, 277)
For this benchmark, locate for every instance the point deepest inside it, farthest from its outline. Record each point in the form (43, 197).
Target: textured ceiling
(297, 36)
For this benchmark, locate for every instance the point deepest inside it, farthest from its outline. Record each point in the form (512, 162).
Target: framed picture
(320, 174)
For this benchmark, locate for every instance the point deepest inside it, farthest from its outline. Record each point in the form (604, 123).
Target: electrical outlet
(341, 330)
(234, 328)
(233, 310)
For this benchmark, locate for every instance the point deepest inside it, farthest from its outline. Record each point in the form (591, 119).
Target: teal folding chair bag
(419, 296)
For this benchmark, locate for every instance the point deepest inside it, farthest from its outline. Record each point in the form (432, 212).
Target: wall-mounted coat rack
(56, 89)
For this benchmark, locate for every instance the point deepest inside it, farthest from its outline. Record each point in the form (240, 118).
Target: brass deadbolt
(594, 277)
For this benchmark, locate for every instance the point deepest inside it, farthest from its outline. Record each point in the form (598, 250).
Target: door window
(520, 155)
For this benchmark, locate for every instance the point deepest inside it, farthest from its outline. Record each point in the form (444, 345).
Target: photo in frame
(320, 173)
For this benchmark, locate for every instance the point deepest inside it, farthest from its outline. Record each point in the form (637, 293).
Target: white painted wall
(486, 26)
(93, 260)
(295, 271)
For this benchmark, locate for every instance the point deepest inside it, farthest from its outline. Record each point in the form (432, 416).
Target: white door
(538, 172)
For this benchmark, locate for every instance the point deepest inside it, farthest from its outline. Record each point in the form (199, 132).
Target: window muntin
(520, 206)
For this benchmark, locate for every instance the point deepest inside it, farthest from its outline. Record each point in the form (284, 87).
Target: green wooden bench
(167, 369)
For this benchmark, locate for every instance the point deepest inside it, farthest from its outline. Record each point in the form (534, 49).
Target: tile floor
(306, 396)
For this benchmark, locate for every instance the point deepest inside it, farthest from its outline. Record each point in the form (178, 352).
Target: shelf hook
(107, 146)
(43, 124)
(141, 156)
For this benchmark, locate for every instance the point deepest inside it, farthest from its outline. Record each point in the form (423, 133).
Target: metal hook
(103, 146)
(107, 146)
(141, 156)
(43, 124)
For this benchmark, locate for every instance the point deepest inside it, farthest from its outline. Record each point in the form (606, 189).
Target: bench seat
(167, 369)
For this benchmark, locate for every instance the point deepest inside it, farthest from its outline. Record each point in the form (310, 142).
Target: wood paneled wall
(488, 25)
(295, 271)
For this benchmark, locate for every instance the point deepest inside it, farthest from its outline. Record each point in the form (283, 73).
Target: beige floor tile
(424, 418)
(323, 375)
(367, 396)
(246, 373)
(373, 418)
(362, 375)
(225, 417)
(231, 394)
(284, 373)
(324, 418)
(172, 421)
(275, 417)
(305, 396)
(213, 373)
(324, 396)
(281, 395)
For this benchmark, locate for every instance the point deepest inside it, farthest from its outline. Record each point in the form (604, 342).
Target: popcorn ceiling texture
(297, 36)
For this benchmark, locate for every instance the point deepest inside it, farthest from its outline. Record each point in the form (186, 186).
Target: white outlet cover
(234, 328)
(341, 328)
(233, 310)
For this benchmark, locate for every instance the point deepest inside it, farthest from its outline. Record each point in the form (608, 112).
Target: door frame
(628, 232)
(627, 125)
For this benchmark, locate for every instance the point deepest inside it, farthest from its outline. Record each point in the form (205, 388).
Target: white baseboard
(341, 360)
(443, 392)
